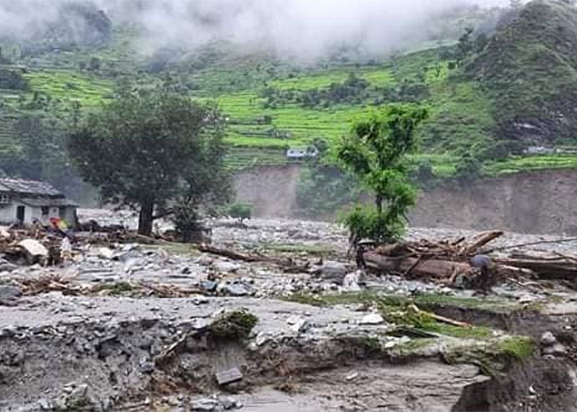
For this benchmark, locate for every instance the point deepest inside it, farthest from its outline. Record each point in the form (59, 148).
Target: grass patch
(119, 288)
(235, 325)
(400, 310)
(495, 358)
(518, 347)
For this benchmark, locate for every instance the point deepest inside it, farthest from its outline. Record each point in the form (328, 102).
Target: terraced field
(461, 118)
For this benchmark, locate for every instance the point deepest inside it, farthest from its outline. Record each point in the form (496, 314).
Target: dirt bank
(537, 202)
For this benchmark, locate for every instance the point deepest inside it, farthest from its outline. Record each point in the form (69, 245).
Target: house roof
(47, 201)
(34, 193)
(28, 187)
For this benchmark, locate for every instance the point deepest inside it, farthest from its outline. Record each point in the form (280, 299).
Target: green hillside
(490, 94)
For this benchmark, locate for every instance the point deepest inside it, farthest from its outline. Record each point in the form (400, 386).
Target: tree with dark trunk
(376, 154)
(148, 150)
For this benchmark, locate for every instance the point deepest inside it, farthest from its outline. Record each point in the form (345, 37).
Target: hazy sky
(306, 26)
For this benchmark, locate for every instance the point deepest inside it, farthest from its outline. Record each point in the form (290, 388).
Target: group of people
(56, 226)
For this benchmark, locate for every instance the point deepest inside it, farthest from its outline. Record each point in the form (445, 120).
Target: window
(62, 212)
(45, 211)
(4, 199)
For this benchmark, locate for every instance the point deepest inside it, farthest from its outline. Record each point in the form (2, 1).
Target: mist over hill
(294, 28)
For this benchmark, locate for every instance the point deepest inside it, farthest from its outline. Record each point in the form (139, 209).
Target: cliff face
(539, 202)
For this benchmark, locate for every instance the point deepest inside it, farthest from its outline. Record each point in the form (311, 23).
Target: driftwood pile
(449, 262)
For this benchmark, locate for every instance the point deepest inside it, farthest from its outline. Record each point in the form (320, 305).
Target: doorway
(20, 213)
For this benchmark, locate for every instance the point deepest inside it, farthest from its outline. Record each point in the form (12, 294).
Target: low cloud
(292, 27)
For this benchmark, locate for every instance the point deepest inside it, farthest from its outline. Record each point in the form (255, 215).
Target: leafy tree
(240, 211)
(376, 154)
(468, 169)
(465, 45)
(150, 150)
(94, 64)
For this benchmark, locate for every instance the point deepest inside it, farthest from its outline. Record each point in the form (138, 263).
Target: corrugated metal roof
(28, 187)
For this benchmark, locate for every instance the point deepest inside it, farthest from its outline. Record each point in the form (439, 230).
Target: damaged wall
(537, 202)
(272, 190)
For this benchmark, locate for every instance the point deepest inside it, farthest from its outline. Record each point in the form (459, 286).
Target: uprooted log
(549, 266)
(287, 265)
(447, 261)
(417, 267)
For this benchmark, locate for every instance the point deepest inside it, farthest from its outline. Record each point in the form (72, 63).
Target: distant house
(23, 201)
(301, 153)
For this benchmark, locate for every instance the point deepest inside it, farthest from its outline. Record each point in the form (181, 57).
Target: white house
(301, 153)
(26, 200)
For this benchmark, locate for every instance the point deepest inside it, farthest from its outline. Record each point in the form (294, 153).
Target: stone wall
(537, 202)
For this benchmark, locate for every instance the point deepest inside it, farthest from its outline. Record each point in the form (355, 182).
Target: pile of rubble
(466, 262)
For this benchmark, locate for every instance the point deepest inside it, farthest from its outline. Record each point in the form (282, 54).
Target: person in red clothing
(58, 225)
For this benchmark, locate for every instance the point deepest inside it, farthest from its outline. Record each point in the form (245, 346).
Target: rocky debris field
(165, 327)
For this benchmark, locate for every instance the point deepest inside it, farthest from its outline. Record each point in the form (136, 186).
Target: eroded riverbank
(120, 334)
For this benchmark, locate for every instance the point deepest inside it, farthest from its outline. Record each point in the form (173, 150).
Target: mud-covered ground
(109, 340)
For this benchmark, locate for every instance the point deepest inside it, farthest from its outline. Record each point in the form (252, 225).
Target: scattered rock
(226, 267)
(372, 319)
(78, 398)
(229, 403)
(351, 281)
(352, 376)
(333, 271)
(34, 248)
(204, 404)
(548, 339)
(9, 295)
(236, 290)
(298, 324)
(106, 253)
(6, 266)
(209, 285)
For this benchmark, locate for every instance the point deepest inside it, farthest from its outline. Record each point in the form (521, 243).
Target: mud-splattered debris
(228, 376)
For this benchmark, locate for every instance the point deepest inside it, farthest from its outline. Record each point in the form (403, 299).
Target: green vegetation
(240, 211)
(495, 357)
(529, 70)
(376, 154)
(518, 347)
(489, 95)
(401, 311)
(146, 149)
(235, 325)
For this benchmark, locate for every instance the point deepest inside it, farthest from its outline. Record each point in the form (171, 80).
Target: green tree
(376, 154)
(465, 45)
(240, 211)
(150, 150)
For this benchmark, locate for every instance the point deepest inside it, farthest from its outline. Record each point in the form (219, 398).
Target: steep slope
(529, 69)
(519, 85)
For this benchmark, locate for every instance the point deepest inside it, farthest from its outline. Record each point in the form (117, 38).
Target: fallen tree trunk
(419, 268)
(544, 269)
(230, 254)
(481, 240)
(287, 265)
